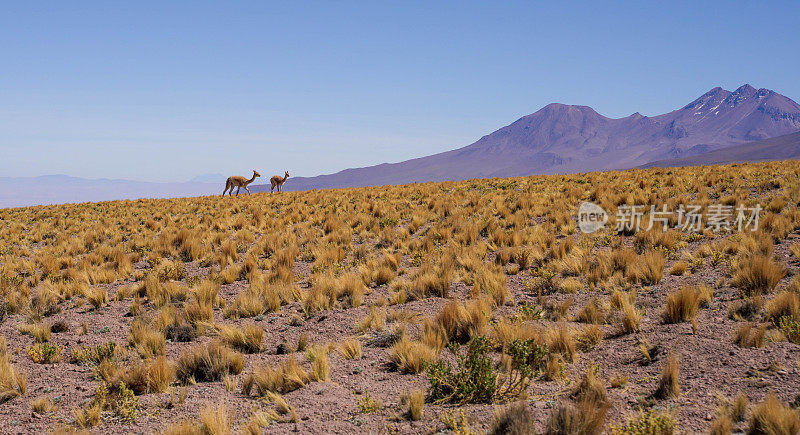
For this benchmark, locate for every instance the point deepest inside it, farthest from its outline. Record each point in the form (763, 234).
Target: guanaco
(238, 182)
(277, 181)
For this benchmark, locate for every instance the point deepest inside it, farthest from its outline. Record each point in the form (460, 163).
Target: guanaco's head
(287, 174)
(256, 173)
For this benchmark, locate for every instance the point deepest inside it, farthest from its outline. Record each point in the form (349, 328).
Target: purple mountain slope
(563, 139)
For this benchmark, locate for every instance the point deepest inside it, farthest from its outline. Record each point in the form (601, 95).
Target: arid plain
(467, 306)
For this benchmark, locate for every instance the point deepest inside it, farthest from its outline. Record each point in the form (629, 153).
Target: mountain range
(562, 138)
(720, 126)
(786, 147)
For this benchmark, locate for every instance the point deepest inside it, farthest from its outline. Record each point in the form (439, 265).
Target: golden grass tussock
(560, 339)
(774, 417)
(145, 339)
(515, 419)
(464, 321)
(584, 417)
(630, 318)
(682, 305)
(350, 349)
(739, 407)
(285, 378)
(589, 338)
(411, 356)
(208, 363)
(415, 401)
(248, 339)
(784, 304)
(13, 382)
(749, 335)
(757, 274)
(647, 268)
(594, 312)
(668, 384)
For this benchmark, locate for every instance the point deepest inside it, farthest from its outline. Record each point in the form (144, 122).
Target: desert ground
(472, 307)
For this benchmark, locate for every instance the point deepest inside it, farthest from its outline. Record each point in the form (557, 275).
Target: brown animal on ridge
(277, 181)
(238, 182)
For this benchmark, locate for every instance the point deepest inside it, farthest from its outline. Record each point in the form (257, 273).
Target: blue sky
(165, 91)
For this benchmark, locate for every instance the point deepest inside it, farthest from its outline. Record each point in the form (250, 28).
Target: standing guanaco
(277, 181)
(238, 182)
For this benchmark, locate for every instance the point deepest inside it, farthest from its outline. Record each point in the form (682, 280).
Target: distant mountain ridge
(59, 189)
(563, 138)
(786, 147)
(720, 126)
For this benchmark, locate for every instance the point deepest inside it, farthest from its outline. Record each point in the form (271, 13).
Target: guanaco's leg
(248, 190)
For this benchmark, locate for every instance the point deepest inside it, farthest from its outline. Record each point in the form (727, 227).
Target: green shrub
(475, 380)
(649, 423)
(368, 405)
(92, 356)
(44, 353)
(119, 399)
(527, 356)
(790, 328)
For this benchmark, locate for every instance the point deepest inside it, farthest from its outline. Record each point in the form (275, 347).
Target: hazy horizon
(155, 92)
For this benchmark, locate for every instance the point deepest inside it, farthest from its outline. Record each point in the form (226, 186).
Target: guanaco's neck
(252, 179)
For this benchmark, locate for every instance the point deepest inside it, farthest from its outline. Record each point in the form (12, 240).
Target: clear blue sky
(165, 91)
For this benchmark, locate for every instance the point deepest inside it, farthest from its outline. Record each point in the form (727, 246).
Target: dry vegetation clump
(13, 382)
(774, 417)
(411, 356)
(248, 339)
(584, 417)
(208, 363)
(650, 422)
(285, 378)
(514, 419)
(683, 304)
(749, 335)
(463, 321)
(471, 286)
(668, 385)
(757, 274)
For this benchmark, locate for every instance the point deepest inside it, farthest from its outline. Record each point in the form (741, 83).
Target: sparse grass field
(466, 306)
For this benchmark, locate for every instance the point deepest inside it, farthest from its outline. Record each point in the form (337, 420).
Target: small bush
(367, 404)
(475, 380)
(94, 355)
(650, 423)
(790, 327)
(44, 353)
